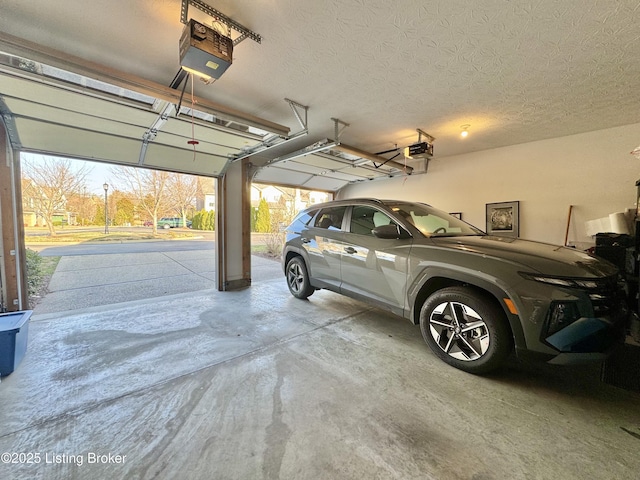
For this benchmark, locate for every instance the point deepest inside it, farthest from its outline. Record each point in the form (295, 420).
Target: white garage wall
(593, 171)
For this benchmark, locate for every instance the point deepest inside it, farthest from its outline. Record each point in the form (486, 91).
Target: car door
(322, 239)
(374, 268)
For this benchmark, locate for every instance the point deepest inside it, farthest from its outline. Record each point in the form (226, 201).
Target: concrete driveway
(83, 281)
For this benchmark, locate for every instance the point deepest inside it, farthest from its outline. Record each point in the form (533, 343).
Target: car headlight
(584, 283)
(561, 314)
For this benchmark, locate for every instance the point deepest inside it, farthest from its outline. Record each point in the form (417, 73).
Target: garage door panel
(182, 127)
(324, 183)
(78, 120)
(300, 167)
(324, 163)
(329, 164)
(284, 176)
(180, 160)
(344, 176)
(21, 108)
(344, 172)
(176, 141)
(68, 100)
(47, 137)
(281, 176)
(366, 173)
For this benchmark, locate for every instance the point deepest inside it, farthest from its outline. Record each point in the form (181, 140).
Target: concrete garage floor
(256, 384)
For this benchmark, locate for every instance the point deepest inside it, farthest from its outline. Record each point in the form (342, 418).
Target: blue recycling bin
(14, 331)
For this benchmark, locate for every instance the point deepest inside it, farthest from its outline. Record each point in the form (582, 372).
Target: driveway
(106, 273)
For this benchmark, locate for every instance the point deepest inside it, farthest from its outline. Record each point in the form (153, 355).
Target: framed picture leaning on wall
(503, 219)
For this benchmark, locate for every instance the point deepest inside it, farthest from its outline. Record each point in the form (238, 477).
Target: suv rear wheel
(465, 330)
(298, 278)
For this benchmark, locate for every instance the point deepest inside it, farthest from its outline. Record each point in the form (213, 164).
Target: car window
(364, 219)
(433, 222)
(330, 218)
(302, 219)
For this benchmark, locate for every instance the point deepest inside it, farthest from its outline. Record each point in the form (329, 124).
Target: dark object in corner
(622, 368)
(14, 331)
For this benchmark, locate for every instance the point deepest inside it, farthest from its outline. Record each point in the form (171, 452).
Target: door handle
(304, 240)
(350, 250)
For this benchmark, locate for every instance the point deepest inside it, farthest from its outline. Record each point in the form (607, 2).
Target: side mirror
(390, 232)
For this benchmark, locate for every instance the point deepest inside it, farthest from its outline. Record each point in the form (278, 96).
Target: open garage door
(55, 104)
(330, 165)
(101, 115)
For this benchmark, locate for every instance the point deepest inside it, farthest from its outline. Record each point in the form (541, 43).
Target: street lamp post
(106, 216)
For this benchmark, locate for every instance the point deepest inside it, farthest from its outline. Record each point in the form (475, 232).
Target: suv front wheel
(465, 330)
(298, 278)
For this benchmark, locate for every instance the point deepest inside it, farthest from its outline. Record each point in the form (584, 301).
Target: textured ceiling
(515, 71)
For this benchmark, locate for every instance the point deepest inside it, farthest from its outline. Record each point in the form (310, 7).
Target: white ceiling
(515, 71)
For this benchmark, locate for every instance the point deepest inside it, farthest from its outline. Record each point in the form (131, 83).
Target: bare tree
(51, 183)
(149, 187)
(280, 216)
(79, 205)
(182, 190)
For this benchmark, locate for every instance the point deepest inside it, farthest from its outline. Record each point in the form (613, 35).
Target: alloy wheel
(459, 331)
(295, 277)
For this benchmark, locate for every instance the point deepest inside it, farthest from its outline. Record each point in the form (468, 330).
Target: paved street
(111, 248)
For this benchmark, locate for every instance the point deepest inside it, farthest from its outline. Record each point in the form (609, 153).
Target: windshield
(432, 222)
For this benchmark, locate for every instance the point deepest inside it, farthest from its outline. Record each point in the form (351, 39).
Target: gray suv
(475, 296)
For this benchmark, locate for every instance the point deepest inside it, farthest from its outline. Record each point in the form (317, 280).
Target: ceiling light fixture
(465, 130)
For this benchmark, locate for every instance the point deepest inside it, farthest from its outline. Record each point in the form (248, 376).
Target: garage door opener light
(421, 149)
(203, 76)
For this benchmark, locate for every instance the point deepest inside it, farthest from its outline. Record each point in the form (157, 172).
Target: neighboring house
(209, 202)
(273, 194)
(205, 196)
(277, 197)
(318, 197)
(291, 198)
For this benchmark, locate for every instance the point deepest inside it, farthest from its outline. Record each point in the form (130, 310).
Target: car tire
(166, 226)
(298, 278)
(466, 330)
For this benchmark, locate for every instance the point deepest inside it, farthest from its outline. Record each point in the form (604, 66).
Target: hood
(537, 257)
